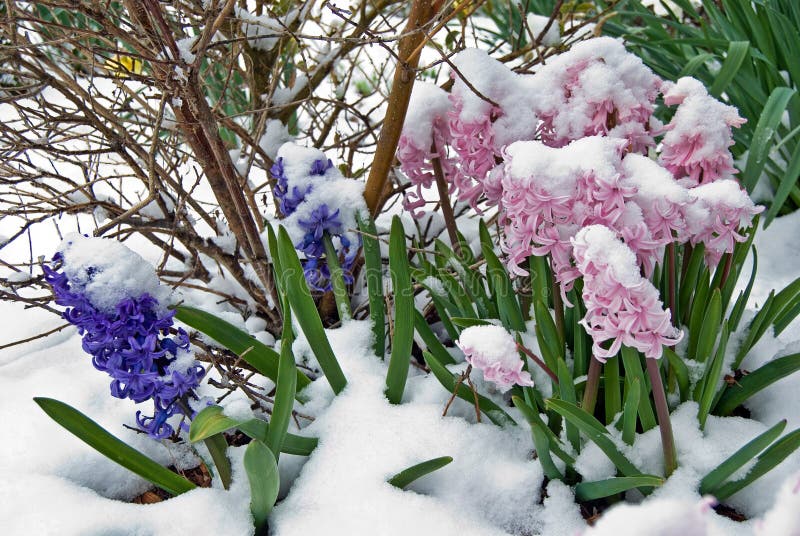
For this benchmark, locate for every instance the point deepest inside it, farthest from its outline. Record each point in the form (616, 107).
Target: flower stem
(592, 384)
(662, 411)
(536, 359)
(337, 279)
(444, 199)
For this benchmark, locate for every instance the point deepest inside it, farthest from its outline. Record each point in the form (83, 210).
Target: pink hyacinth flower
(493, 350)
(621, 305)
(696, 145)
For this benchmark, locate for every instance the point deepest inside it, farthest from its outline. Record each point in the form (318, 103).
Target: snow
(537, 23)
(108, 272)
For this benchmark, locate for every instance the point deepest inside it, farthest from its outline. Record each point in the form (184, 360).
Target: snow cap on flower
(696, 145)
(493, 350)
(594, 88)
(621, 305)
(110, 294)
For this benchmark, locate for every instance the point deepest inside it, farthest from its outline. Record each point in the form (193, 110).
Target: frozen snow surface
(54, 484)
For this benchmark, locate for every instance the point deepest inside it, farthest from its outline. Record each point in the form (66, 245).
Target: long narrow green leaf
(744, 296)
(403, 314)
(373, 273)
(495, 413)
(631, 411)
(709, 327)
(787, 182)
(262, 473)
(338, 287)
(711, 377)
(211, 421)
(260, 356)
(768, 460)
(737, 52)
(633, 370)
(541, 441)
(305, 310)
(218, 448)
(566, 388)
(589, 491)
(611, 389)
(762, 136)
(735, 395)
(407, 476)
(112, 448)
(712, 481)
(429, 338)
(595, 432)
(681, 372)
(285, 388)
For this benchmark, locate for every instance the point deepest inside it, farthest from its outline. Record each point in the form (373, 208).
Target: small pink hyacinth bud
(621, 305)
(696, 144)
(493, 350)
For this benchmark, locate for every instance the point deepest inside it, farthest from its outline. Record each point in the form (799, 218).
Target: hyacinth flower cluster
(118, 307)
(493, 350)
(621, 306)
(316, 202)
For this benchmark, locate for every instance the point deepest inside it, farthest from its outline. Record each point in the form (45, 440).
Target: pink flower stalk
(717, 212)
(596, 88)
(493, 350)
(696, 144)
(621, 305)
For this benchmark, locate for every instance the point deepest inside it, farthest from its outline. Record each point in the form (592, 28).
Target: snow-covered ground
(54, 484)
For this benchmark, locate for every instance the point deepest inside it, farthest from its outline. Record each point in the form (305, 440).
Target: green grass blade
(633, 369)
(611, 389)
(373, 272)
(403, 314)
(760, 145)
(768, 460)
(218, 448)
(495, 413)
(712, 481)
(744, 296)
(595, 432)
(338, 286)
(709, 327)
(500, 285)
(407, 476)
(631, 411)
(211, 421)
(429, 338)
(260, 356)
(681, 372)
(112, 448)
(566, 388)
(540, 439)
(737, 52)
(735, 395)
(305, 311)
(283, 402)
(262, 473)
(711, 377)
(787, 182)
(589, 491)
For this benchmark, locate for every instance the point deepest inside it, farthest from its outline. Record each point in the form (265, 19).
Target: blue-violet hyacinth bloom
(131, 339)
(315, 199)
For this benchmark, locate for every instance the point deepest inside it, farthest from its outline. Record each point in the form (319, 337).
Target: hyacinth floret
(493, 350)
(311, 218)
(133, 345)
